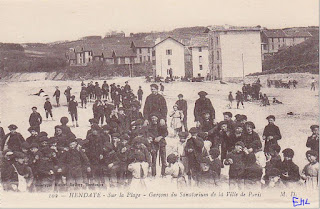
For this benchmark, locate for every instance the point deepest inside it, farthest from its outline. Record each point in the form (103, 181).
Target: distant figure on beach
(313, 84)
(40, 93)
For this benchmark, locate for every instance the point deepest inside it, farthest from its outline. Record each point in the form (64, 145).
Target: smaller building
(143, 49)
(123, 55)
(200, 56)
(169, 58)
(83, 56)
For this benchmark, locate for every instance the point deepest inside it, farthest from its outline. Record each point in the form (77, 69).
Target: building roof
(107, 53)
(167, 39)
(297, 33)
(123, 51)
(199, 41)
(277, 33)
(223, 28)
(143, 43)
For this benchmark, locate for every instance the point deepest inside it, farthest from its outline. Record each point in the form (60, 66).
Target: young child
(35, 119)
(260, 155)
(239, 98)
(14, 139)
(290, 171)
(310, 172)
(177, 119)
(65, 128)
(139, 170)
(215, 164)
(24, 173)
(48, 108)
(83, 97)
(274, 180)
(271, 133)
(206, 174)
(34, 136)
(313, 140)
(140, 93)
(176, 171)
(230, 98)
(72, 108)
(181, 150)
(57, 95)
(237, 167)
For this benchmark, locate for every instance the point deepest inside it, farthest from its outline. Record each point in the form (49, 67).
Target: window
(200, 49)
(148, 50)
(153, 62)
(200, 67)
(169, 61)
(144, 58)
(149, 59)
(271, 39)
(272, 47)
(218, 55)
(168, 52)
(140, 50)
(217, 40)
(265, 47)
(283, 39)
(279, 46)
(278, 39)
(140, 59)
(200, 59)
(153, 53)
(89, 59)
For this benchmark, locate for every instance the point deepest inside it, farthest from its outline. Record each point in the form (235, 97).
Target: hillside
(300, 58)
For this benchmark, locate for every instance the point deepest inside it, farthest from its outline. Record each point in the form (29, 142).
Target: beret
(228, 114)
(183, 135)
(202, 93)
(271, 116)
(12, 127)
(288, 152)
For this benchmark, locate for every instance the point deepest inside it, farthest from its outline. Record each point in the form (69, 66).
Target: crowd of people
(123, 144)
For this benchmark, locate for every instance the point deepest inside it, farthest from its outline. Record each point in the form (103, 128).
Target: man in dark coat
(290, 171)
(35, 119)
(183, 106)
(67, 92)
(271, 133)
(127, 87)
(201, 105)
(14, 139)
(155, 104)
(105, 90)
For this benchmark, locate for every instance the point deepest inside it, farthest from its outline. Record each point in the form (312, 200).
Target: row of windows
(140, 50)
(144, 59)
(212, 41)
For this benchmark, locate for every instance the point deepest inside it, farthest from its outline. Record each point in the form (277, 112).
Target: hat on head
(34, 145)
(183, 135)
(251, 124)
(312, 152)
(31, 129)
(73, 140)
(154, 86)
(139, 156)
(34, 107)
(58, 127)
(95, 127)
(313, 127)
(237, 116)
(202, 93)
(222, 123)
(205, 111)
(43, 133)
(288, 152)
(154, 114)
(73, 96)
(238, 124)
(52, 140)
(214, 152)
(12, 127)
(93, 120)
(43, 139)
(193, 130)
(180, 95)
(271, 117)
(203, 135)
(64, 120)
(172, 158)
(240, 143)
(19, 155)
(228, 114)
(106, 127)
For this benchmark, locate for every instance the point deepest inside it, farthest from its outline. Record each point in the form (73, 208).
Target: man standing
(183, 106)
(35, 119)
(127, 87)
(105, 90)
(57, 95)
(203, 104)
(67, 92)
(155, 104)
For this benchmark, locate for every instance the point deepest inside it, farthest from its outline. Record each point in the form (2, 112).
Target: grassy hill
(303, 57)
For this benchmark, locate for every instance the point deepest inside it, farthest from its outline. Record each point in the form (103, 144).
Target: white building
(234, 51)
(200, 56)
(169, 57)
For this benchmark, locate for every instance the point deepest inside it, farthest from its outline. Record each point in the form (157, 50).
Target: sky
(25, 21)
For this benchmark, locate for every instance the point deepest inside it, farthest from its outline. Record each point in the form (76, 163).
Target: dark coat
(47, 106)
(14, 141)
(73, 158)
(237, 168)
(249, 138)
(32, 139)
(140, 93)
(72, 107)
(35, 119)
(195, 156)
(183, 105)
(158, 130)
(2, 138)
(253, 172)
(292, 169)
(94, 148)
(313, 143)
(271, 130)
(155, 104)
(202, 105)
(57, 93)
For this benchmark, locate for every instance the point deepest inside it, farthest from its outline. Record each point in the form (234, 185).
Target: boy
(35, 119)
(24, 173)
(181, 153)
(109, 163)
(271, 133)
(310, 172)
(260, 155)
(139, 170)
(140, 93)
(57, 95)
(176, 171)
(48, 108)
(108, 108)
(253, 173)
(273, 160)
(290, 171)
(274, 180)
(83, 97)
(206, 124)
(67, 92)
(313, 140)
(72, 108)
(230, 98)
(239, 98)
(65, 128)
(123, 121)
(215, 164)
(236, 160)
(206, 174)
(34, 136)
(72, 162)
